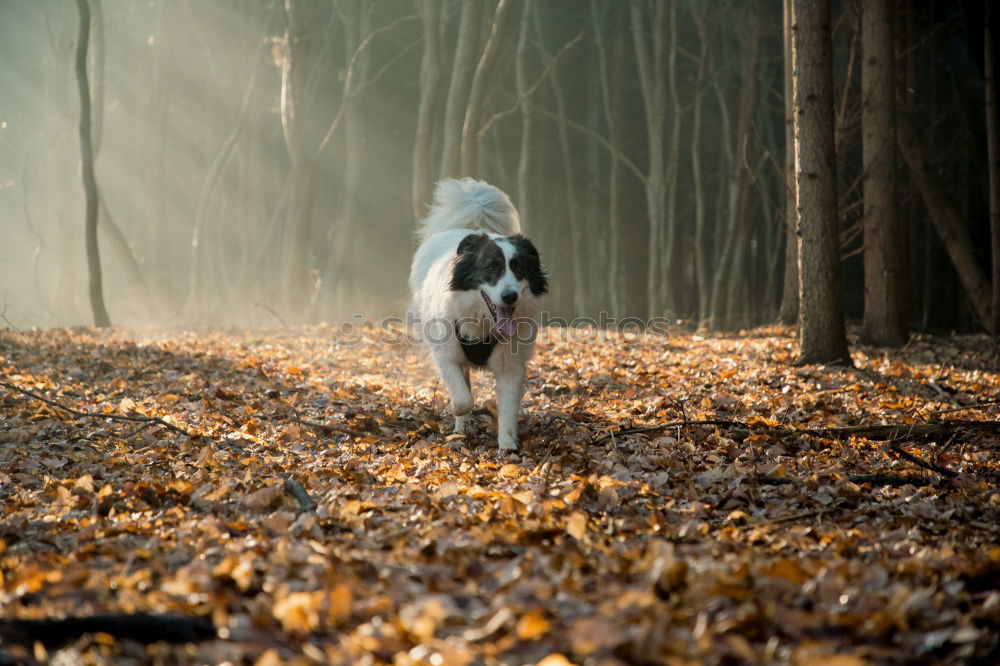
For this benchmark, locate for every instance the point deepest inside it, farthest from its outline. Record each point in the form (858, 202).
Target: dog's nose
(508, 297)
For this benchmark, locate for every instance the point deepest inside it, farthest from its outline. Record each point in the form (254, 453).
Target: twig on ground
(332, 427)
(975, 406)
(804, 514)
(920, 462)
(150, 420)
(138, 430)
(665, 426)
(298, 491)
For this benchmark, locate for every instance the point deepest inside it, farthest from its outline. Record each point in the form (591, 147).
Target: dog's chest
(476, 351)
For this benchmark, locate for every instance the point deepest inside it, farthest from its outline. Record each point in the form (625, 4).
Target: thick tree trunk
(885, 297)
(822, 335)
(430, 93)
(462, 71)
(100, 313)
(788, 312)
(993, 147)
(947, 221)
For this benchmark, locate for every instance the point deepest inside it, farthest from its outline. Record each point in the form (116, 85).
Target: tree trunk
(822, 334)
(526, 162)
(430, 93)
(580, 290)
(297, 264)
(788, 313)
(947, 221)
(343, 267)
(101, 318)
(885, 308)
(483, 81)
(649, 53)
(729, 276)
(993, 147)
(671, 269)
(462, 72)
(703, 268)
(607, 105)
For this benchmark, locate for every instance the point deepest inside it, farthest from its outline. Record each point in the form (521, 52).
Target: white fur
(470, 204)
(463, 207)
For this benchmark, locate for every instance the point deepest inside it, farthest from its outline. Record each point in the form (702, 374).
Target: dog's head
(506, 272)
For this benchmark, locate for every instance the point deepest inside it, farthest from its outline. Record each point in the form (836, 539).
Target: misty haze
(260, 163)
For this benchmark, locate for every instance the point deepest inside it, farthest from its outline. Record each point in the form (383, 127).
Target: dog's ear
(472, 243)
(527, 265)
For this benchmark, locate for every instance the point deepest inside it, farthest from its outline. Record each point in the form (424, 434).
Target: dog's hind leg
(456, 378)
(510, 384)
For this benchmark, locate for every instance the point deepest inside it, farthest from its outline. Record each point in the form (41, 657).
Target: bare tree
(702, 255)
(993, 147)
(614, 168)
(96, 289)
(299, 19)
(526, 154)
(650, 58)
(947, 221)
(788, 312)
(463, 70)
(430, 94)
(729, 277)
(822, 334)
(482, 80)
(885, 318)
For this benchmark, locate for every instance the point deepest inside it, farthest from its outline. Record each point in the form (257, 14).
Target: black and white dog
(476, 283)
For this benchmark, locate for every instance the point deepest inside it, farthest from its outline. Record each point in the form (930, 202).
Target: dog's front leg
(510, 384)
(456, 378)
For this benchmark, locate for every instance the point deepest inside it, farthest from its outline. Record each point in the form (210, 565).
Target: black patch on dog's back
(477, 351)
(480, 261)
(527, 265)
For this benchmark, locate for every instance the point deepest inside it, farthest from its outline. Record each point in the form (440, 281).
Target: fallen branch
(140, 627)
(666, 426)
(740, 431)
(920, 462)
(895, 480)
(874, 479)
(298, 491)
(111, 417)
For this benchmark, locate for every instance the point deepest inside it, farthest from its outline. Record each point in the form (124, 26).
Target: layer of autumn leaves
(311, 501)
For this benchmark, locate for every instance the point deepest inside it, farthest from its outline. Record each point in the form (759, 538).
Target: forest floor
(681, 499)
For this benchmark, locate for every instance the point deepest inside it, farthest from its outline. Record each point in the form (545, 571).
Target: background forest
(265, 162)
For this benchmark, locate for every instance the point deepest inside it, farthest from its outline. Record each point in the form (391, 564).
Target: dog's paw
(462, 423)
(461, 406)
(507, 442)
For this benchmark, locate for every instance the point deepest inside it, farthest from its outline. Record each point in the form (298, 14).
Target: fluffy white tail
(470, 204)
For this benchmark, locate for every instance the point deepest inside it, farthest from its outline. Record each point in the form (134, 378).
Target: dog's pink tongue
(505, 320)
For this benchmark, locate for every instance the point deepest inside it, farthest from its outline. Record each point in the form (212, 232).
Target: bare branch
(534, 87)
(349, 77)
